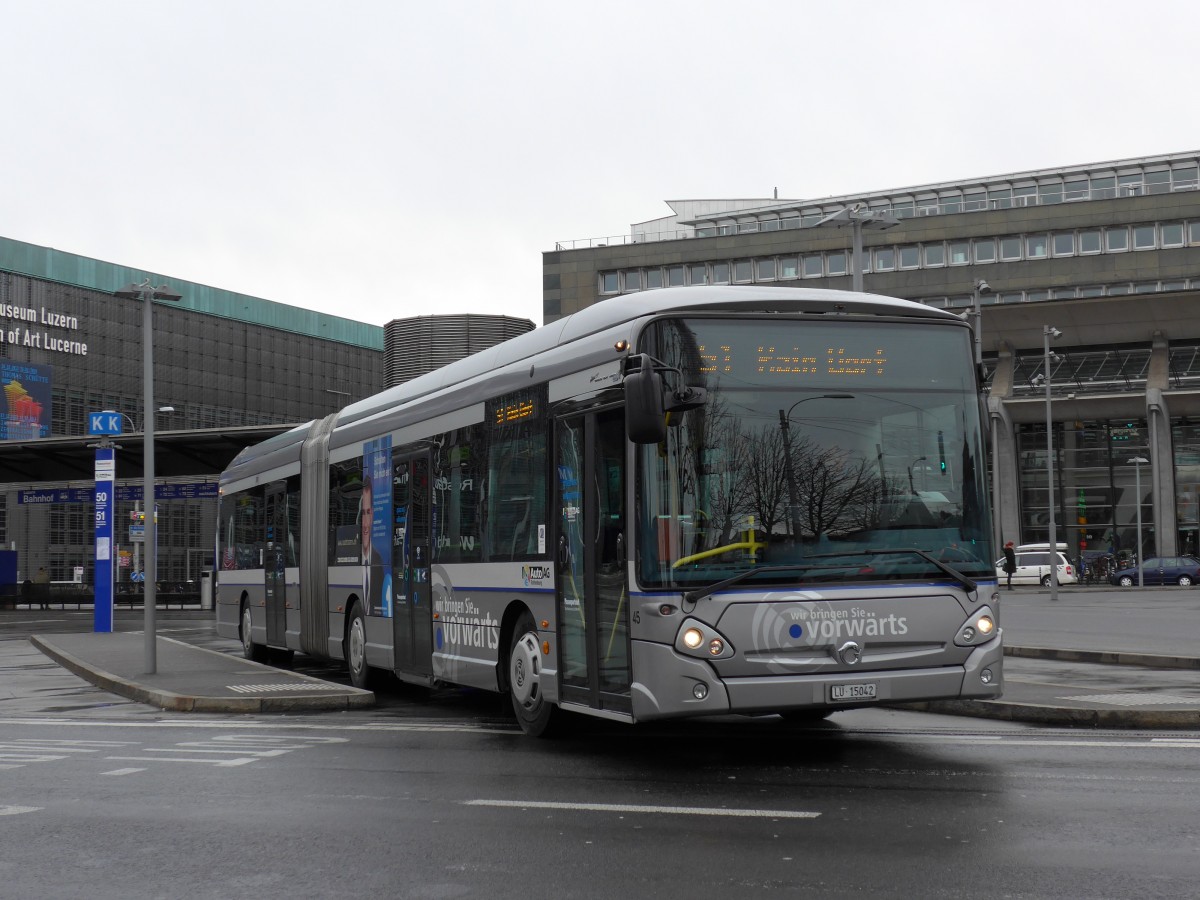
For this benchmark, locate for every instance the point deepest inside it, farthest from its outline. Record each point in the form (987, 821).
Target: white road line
(123, 772)
(17, 810)
(223, 763)
(662, 810)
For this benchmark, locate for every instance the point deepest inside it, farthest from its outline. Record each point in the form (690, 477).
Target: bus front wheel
(355, 650)
(533, 712)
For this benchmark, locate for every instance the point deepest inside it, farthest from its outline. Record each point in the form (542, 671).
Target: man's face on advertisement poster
(366, 516)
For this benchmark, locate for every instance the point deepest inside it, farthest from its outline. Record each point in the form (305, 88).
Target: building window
(1025, 195)
(1143, 237)
(766, 269)
(935, 255)
(974, 200)
(675, 276)
(1064, 244)
(1037, 296)
(698, 273)
(1091, 291)
(812, 266)
(654, 278)
(1050, 191)
(1104, 188)
(960, 253)
(999, 198)
(885, 259)
(910, 256)
(1194, 232)
(1036, 246)
(609, 283)
(1172, 234)
(1089, 241)
(633, 280)
(787, 267)
(985, 250)
(837, 263)
(1185, 178)
(743, 270)
(1076, 189)
(1010, 248)
(1158, 182)
(1116, 239)
(720, 273)
(770, 224)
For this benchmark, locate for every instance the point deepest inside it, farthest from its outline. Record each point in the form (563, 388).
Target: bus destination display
(777, 360)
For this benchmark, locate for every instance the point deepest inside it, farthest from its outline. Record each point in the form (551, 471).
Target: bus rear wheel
(355, 650)
(250, 650)
(534, 713)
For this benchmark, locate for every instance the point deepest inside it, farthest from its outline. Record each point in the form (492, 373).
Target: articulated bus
(682, 502)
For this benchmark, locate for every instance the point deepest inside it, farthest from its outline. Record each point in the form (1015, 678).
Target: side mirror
(645, 421)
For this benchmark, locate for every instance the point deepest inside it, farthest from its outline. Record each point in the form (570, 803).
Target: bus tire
(355, 649)
(534, 714)
(252, 651)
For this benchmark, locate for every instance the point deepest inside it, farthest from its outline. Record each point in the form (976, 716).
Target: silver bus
(682, 502)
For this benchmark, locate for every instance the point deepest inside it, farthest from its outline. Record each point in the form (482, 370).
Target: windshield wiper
(701, 593)
(958, 576)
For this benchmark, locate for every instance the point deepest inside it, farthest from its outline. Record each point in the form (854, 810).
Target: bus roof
(595, 319)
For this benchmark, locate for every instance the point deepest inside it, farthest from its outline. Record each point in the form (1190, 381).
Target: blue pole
(105, 475)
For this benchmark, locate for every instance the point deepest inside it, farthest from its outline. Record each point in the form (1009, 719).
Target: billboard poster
(25, 408)
(375, 526)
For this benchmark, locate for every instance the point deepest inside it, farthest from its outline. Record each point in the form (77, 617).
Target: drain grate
(1146, 699)
(280, 688)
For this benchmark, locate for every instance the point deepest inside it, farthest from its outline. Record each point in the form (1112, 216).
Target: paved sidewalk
(192, 679)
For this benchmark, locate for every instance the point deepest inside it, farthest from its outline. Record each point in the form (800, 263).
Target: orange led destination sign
(779, 360)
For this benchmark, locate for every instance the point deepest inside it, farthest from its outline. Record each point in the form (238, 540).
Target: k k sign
(104, 423)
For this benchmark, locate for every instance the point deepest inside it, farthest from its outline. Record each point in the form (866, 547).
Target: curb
(1106, 657)
(1035, 714)
(169, 700)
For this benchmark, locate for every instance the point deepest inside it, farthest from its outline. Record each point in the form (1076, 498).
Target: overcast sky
(385, 159)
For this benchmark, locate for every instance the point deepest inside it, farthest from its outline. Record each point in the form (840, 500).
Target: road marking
(123, 772)
(223, 763)
(17, 810)
(661, 810)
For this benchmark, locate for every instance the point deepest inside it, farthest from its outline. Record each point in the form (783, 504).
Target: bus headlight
(696, 638)
(979, 628)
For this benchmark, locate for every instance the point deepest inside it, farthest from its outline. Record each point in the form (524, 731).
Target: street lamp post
(1048, 332)
(911, 488)
(981, 287)
(1136, 462)
(147, 293)
(858, 216)
(785, 427)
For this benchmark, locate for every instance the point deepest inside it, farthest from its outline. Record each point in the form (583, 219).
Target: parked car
(1181, 570)
(1033, 567)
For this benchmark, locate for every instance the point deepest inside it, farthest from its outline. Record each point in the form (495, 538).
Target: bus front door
(412, 539)
(274, 560)
(592, 594)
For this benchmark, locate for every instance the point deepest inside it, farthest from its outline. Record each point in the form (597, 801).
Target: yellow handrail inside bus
(748, 543)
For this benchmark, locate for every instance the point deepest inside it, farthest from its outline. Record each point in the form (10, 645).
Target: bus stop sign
(104, 423)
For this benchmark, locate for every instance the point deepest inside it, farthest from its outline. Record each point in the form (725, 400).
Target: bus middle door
(274, 561)
(412, 548)
(592, 594)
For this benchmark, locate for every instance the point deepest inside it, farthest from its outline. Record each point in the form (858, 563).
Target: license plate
(852, 691)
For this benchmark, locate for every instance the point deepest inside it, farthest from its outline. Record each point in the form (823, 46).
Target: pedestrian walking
(41, 587)
(1010, 562)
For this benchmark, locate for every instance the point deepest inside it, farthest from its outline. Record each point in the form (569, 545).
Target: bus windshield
(826, 450)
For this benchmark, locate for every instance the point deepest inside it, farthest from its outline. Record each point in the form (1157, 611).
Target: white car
(1033, 567)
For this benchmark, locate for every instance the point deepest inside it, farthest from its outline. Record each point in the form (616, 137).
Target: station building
(1107, 254)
